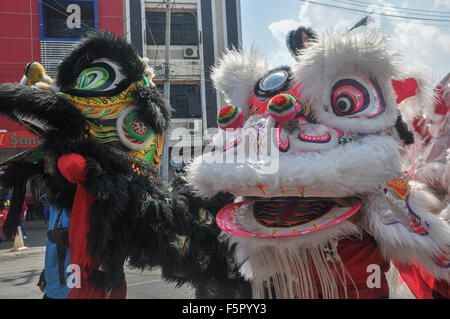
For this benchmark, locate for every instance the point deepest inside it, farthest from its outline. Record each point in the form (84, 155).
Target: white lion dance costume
(428, 159)
(313, 155)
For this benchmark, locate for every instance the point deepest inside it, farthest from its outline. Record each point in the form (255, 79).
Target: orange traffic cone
(18, 241)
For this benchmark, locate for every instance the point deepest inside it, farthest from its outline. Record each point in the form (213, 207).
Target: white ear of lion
(421, 104)
(236, 75)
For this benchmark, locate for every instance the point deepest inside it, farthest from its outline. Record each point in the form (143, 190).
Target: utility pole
(165, 162)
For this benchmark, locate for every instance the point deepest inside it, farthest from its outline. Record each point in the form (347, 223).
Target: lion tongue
(289, 211)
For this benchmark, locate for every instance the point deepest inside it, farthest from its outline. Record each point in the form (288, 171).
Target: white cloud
(424, 45)
(281, 56)
(316, 17)
(281, 28)
(321, 18)
(441, 4)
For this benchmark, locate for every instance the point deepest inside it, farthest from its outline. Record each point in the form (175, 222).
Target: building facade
(200, 31)
(44, 31)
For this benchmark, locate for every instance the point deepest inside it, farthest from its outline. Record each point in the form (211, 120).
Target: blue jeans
(23, 229)
(46, 217)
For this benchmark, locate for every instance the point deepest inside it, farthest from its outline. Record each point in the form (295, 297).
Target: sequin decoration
(399, 187)
(104, 107)
(181, 244)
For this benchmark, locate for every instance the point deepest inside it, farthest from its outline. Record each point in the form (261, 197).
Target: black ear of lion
(43, 109)
(298, 39)
(153, 108)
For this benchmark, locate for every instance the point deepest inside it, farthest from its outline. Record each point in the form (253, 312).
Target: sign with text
(67, 20)
(18, 139)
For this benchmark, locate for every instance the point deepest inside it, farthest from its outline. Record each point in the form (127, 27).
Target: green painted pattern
(85, 80)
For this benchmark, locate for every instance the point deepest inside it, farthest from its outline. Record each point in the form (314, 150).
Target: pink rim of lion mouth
(302, 136)
(243, 219)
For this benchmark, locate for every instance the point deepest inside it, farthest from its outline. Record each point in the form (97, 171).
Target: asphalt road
(20, 270)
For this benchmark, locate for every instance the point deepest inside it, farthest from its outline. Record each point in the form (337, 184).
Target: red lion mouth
(284, 216)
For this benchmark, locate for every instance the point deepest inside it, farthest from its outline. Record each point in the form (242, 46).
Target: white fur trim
(271, 258)
(422, 104)
(333, 56)
(355, 168)
(337, 232)
(396, 240)
(236, 75)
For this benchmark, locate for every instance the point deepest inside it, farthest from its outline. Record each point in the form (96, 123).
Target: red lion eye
(357, 98)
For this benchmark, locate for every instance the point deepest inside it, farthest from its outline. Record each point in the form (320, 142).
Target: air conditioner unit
(190, 52)
(193, 127)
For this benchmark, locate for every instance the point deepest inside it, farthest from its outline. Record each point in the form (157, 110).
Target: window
(67, 19)
(156, 22)
(183, 28)
(184, 100)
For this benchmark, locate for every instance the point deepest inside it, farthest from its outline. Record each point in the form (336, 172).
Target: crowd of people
(31, 210)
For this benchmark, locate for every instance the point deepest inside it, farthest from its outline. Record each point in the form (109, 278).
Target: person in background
(22, 220)
(29, 201)
(46, 215)
(3, 214)
(53, 279)
(2, 221)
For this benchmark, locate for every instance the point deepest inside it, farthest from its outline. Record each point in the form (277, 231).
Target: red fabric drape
(73, 168)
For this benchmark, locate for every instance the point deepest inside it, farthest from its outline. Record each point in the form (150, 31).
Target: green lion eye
(92, 78)
(100, 76)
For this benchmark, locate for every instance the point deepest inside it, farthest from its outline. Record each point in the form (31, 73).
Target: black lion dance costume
(102, 122)
(312, 153)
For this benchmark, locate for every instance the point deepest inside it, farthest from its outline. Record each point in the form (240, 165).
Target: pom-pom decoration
(230, 117)
(283, 107)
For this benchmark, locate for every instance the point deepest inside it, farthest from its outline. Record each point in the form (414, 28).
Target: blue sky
(425, 43)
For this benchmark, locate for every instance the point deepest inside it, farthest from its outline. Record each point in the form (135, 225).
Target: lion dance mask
(313, 155)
